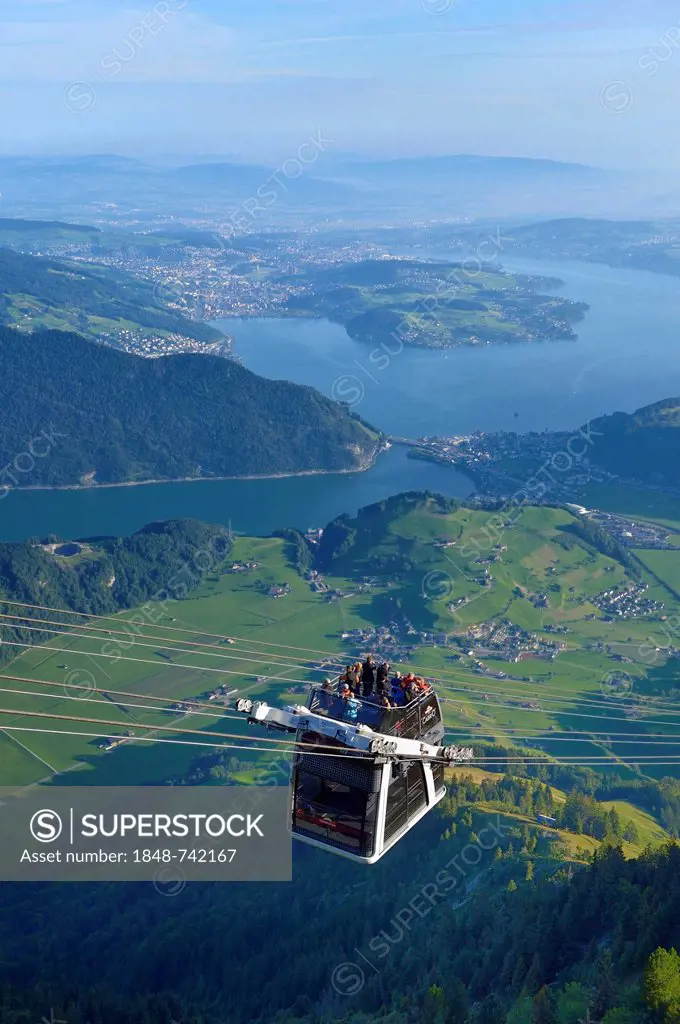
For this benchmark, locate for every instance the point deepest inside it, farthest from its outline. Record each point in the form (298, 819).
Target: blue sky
(591, 81)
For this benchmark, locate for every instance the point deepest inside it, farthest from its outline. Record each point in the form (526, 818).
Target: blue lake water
(627, 355)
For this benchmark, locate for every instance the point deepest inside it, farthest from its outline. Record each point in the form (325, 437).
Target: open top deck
(419, 719)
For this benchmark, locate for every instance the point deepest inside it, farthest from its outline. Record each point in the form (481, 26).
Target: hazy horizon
(385, 78)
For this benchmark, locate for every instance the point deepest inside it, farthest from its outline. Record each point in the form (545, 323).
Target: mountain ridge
(128, 419)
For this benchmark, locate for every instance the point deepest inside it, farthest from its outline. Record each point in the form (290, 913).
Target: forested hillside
(644, 445)
(23, 234)
(118, 417)
(106, 574)
(520, 933)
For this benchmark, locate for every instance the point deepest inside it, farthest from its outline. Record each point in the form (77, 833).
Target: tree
(512, 885)
(490, 1012)
(572, 1004)
(543, 1007)
(620, 1016)
(433, 1005)
(630, 833)
(662, 983)
(605, 996)
(521, 1012)
(458, 1003)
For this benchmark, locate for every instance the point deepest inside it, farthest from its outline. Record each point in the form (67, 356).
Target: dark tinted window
(334, 813)
(407, 795)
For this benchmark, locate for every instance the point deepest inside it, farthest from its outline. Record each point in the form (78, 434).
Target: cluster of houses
(489, 458)
(633, 534)
(316, 581)
(383, 641)
(243, 566)
(510, 642)
(184, 707)
(625, 604)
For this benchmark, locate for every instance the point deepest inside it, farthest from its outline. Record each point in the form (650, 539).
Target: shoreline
(196, 479)
(468, 342)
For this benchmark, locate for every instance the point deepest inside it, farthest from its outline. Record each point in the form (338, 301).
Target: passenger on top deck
(412, 691)
(352, 710)
(381, 676)
(397, 694)
(368, 675)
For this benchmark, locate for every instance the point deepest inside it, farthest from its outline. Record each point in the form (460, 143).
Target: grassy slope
(578, 846)
(235, 604)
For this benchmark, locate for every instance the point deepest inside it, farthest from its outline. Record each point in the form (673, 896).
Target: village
(509, 642)
(500, 462)
(633, 534)
(628, 603)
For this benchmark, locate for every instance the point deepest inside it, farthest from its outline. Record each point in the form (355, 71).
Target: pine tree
(458, 1003)
(605, 995)
(662, 981)
(543, 1008)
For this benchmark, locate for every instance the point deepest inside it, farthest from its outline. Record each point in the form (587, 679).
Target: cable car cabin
(359, 807)
(362, 775)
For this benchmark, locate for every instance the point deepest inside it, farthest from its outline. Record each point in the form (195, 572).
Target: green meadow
(566, 706)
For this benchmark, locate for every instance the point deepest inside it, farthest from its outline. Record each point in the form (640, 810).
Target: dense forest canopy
(122, 417)
(537, 937)
(644, 445)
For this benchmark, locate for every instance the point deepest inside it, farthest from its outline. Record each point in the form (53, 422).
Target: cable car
(362, 775)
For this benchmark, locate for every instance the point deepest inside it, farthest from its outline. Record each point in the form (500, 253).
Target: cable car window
(397, 815)
(416, 789)
(438, 776)
(335, 813)
(407, 795)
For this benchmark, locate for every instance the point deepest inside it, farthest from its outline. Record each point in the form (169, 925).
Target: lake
(249, 506)
(627, 355)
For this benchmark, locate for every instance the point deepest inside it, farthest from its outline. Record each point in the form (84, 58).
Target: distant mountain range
(325, 183)
(120, 418)
(105, 187)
